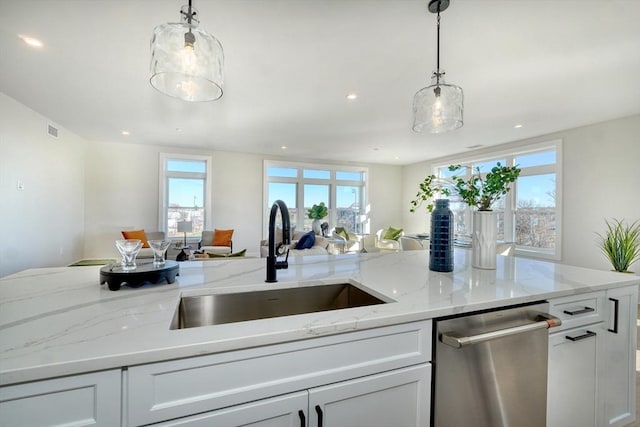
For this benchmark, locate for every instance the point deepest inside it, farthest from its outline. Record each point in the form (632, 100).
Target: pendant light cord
(438, 48)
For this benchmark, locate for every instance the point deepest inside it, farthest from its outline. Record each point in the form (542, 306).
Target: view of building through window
(301, 186)
(184, 196)
(528, 214)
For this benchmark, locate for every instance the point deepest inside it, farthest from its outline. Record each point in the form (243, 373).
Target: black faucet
(272, 260)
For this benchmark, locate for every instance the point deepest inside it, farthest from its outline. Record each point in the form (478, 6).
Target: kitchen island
(58, 322)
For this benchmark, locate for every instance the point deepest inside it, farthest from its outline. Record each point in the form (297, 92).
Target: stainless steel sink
(215, 309)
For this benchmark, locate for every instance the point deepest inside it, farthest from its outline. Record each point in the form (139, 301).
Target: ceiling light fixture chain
(438, 107)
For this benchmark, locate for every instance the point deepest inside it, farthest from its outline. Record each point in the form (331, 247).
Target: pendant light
(186, 61)
(438, 107)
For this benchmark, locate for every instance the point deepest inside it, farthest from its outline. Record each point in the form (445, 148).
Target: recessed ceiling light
(126, 133)
(33, 42)
(283, 147)
(351, 96)
(518, 126)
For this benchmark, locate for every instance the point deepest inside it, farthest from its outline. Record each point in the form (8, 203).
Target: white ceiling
(548, 65)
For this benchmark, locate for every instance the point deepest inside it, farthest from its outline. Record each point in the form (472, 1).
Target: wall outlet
(61, 251)
(19, 185)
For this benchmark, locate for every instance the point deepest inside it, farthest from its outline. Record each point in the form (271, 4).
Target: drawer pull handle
(579, 311)
(303, 419)
(616, 312)
(319, 412)
(588, 334)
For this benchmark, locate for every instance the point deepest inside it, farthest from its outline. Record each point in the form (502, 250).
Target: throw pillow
(306, 241)
(342, 232)
(392, 233)
(138, 235)
(222, 237)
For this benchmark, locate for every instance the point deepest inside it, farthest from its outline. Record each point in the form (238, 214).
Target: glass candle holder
(129, 249)
(159, 248)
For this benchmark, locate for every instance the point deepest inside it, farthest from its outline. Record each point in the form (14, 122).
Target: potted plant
(476, 191)
(316, 213)
(621, 244)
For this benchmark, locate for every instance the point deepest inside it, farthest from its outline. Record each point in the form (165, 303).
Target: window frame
(163, 196)
(510, 200)
(332, 182)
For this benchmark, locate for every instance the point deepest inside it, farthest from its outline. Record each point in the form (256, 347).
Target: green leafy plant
(318, 211)
(477, 191)
(483, 193)
(428, 189)
(621, 243)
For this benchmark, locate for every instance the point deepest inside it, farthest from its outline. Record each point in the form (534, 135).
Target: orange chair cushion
(222, 237)
(136, 234)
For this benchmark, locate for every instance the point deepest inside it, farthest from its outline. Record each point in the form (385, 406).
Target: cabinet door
(284, 411)
(80, 400)
(571, 385)
(399, 398)
(617, 374)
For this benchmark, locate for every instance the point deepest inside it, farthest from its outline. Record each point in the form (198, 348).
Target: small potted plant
(316, 213)
(621, 244)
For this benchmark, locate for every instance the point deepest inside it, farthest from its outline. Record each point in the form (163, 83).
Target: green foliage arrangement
(318, 211)
(475, 191)
(621, 243)
(482, 193)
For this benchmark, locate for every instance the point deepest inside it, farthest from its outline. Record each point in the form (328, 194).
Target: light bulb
(436, 109)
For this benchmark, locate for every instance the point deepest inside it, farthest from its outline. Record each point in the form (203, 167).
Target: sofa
(319, 247)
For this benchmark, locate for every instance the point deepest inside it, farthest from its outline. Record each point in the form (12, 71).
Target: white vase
(483, 244)
(316, 227)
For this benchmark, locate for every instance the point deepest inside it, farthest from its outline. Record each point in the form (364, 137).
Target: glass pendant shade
(438, 108)
(186, 62)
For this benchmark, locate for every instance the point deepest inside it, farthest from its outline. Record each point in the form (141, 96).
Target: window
(185, 186)
(300, 186)
(530, 214)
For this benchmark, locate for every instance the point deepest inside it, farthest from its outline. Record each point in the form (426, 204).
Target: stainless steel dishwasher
(491, 368)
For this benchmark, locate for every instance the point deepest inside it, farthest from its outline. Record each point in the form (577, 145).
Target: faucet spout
(272, 259)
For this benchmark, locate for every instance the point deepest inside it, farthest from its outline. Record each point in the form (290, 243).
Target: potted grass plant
(621, 243)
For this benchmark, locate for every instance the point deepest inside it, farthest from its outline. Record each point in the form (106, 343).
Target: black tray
(113, 275)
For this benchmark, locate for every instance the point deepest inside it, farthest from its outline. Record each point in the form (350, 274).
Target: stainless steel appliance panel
(496, 378)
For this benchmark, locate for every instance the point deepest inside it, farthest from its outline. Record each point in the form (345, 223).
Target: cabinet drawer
(578, 310)
(167, 390)
(81, 400)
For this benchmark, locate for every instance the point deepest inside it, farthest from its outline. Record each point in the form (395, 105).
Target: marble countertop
(61, 321)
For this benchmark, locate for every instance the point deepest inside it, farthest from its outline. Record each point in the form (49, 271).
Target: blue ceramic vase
(441, 238)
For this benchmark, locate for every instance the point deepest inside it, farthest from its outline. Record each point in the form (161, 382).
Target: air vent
(471, 147)
(52, 131)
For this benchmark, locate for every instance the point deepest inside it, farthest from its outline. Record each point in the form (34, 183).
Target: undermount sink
(215, 309)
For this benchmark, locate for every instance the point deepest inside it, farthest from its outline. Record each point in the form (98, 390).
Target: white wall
(122, 193)
(601, 179)
(43, 224)
(115, 202)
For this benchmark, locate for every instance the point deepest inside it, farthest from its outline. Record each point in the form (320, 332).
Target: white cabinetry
(573, 368)
(351, 363)
(398, 398)
(80, 400)
(617, 379)
(591, 379)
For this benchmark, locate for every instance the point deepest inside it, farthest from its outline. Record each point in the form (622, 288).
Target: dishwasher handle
(542, 321)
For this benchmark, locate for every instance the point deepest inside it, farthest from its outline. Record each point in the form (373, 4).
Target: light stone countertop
(60, 321)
